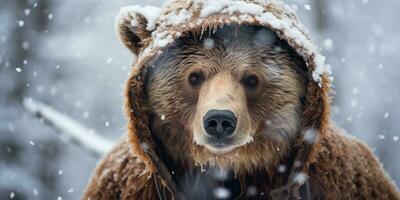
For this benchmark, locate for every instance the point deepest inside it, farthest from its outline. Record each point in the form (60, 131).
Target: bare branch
(77, 133)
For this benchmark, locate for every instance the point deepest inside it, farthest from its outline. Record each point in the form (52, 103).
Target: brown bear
(229, 100)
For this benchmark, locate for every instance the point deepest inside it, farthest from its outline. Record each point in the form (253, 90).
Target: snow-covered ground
(76, 64)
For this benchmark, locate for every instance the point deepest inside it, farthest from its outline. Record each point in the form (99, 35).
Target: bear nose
(219, 123)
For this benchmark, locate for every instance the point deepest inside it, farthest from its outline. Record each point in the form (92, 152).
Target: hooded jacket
(332, 166)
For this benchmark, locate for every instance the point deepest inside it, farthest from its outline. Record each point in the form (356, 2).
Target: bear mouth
(220, 145)
(220, 142)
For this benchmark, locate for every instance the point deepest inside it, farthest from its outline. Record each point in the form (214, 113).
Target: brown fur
(133, 37)
(336, 175)
(277, 102)
(339, 174)
(150, 165)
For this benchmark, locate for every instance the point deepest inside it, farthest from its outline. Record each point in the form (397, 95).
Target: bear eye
(196, 78)
(251, 81)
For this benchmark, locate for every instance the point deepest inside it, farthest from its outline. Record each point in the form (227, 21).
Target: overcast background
(66, 54)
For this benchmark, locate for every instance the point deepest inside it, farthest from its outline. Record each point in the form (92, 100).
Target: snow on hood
(255, 11)
(179, 17)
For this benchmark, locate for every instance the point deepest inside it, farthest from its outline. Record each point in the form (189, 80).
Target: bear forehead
(236, 46)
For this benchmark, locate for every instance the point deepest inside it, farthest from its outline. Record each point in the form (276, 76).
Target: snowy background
(66, 54)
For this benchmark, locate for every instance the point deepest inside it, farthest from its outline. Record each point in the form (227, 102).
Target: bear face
(226, 97)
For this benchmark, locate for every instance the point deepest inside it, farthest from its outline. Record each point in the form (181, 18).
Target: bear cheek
(197, 129)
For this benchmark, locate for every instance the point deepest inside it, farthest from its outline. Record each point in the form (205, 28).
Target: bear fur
(278, 101)
(302, 154)
(336, 174)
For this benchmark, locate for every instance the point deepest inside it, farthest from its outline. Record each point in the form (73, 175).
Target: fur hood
(178, 18)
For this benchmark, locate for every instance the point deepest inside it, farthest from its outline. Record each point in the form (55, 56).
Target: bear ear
(133, 28)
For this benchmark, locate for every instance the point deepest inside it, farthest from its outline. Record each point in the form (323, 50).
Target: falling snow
(353, 103)
(328, 44)
(307, 7)
(282, 169)
(21, 23)
(386, 115)
(355, 90)
(310, 136)
(88, 84)
(251, 191)
(222, 193)
(109, 60)
(27, 12)
(25, 45)
(300, 178)
(35, 192)
(208, 43)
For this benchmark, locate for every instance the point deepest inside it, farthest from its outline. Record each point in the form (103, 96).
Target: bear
(230, 100)
(246, 74)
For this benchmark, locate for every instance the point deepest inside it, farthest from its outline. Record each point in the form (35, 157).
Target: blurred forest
(66, 54)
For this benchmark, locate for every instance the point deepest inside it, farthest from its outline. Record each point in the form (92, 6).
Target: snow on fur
(177, 18)
(240, 12)
(150, 12)
(229, 7)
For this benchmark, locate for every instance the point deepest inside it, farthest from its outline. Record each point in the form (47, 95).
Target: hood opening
(315, 106)
(179, 18)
